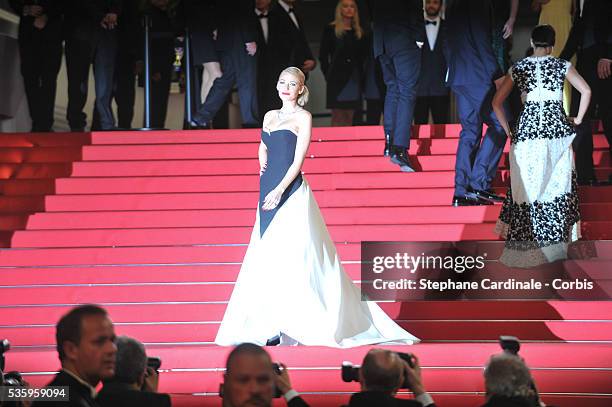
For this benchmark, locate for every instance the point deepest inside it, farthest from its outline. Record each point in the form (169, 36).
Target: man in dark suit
(40, 50)
(236, 43)
(91, 38)
(590, 38)
(432, 92)
(472, 75)
(134, 384)
(250, 378)
(288, 42)
(399, 34)
(86, 346)
(382, 374)
(267, 95)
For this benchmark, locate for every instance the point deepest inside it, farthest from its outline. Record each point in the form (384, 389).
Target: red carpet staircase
(154, 226)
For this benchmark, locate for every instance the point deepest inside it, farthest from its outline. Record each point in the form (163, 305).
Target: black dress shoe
(488, 196)
(465, 200)
(399, 156)
(197, 125)
(274, 341)
(387, 145)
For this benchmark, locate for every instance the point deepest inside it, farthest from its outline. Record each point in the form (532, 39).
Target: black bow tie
(290, 10)
(427, 22)
(263, 16)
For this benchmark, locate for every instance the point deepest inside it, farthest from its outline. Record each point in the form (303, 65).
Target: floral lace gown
(540, 215)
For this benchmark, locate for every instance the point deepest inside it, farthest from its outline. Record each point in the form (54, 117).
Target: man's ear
(71, 350)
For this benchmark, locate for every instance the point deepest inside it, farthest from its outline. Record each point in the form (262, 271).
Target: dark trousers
(600, 107)
(238, 68)
(83, 48)
(162, 58)
(438, 105)
(476, 163)
(400, 73)
(124, 92)
(41, 56)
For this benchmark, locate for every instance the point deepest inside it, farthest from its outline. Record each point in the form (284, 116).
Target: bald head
(382, 370)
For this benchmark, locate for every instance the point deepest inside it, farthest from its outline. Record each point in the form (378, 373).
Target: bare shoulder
(304, 116)
(269, 115)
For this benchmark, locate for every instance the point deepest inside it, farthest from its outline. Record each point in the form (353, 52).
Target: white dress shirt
(292, 15)
(264, 24)
(432, 31)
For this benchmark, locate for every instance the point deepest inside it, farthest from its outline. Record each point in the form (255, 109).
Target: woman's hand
(576, 121)
(272, 199)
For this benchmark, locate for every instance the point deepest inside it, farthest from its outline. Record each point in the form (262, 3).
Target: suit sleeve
(417, 22)
(297, 402)
(571, 45)
(603, 20)
(246, 21)
(481, 33)
(326, 51)
(54, 8)
(17, 6)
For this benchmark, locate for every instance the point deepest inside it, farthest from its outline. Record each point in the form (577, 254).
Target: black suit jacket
(597, 15)
(91, 11)
(235, 25)
(432, 78)
(80, 395)
(397, 25)
(53, 9)
(381, 399)
(287, 43)
(120, 395)
(499, 401)
(297, 402)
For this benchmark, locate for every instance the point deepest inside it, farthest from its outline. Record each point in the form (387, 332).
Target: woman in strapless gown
(292, 285)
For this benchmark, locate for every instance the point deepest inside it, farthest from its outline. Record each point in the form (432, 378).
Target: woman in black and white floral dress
(540, 215)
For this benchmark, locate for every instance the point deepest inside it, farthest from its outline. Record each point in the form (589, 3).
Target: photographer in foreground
(252, 379)
(382, 374)
(508, 383)
(134, 384)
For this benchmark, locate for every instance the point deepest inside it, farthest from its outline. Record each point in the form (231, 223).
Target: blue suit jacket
(470, 56)
(397, 25)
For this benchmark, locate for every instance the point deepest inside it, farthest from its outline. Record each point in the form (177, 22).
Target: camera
(154, 363)
(350, 373)
(510, 344)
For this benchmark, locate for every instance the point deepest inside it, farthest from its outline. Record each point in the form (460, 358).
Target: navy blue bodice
(281, 151)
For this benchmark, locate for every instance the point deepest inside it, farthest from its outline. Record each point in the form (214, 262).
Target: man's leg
(104, 70)
(491, 149)
(218, 93)
(407, 67)
(390, 107)
(125, 92)
(468, 108)
(440, 109)
(421, 110)
(246, 80)
(583, 143)
(78, 59)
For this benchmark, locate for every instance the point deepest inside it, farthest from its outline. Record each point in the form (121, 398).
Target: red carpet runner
(154, 225)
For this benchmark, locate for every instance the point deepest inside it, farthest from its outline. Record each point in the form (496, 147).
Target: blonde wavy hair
(297, 73)
(338, 22)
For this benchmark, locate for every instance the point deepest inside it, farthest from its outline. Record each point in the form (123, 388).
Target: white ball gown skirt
(292, 283)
